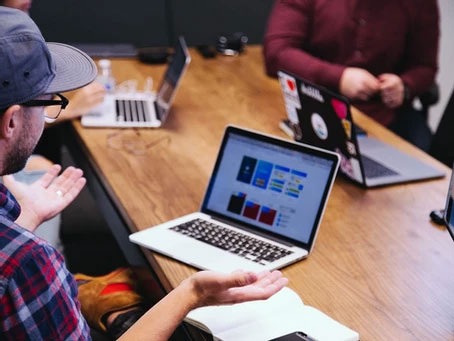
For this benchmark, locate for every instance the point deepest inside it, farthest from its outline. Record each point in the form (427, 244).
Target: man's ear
(9, 121)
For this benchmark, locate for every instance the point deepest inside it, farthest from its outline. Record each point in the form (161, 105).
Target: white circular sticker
(319, 126)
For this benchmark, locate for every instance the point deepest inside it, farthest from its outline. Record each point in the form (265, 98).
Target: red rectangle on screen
(267, 215)
(251, 210)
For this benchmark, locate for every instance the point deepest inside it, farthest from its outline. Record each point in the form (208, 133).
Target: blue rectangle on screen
(262, 174)
(282, 168)
(301, 174)
(290, 194)
(246, 169)
(276, 189)
(266, 209)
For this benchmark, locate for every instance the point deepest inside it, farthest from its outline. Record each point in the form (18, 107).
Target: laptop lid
(274, 187)
(449, 208)
(322, 118)
(169, 84)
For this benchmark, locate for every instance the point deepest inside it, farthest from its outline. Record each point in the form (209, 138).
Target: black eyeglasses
(62, 102)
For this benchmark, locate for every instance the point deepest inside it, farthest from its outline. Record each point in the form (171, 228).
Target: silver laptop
(322, 118)
(262, 208)
(142, 109)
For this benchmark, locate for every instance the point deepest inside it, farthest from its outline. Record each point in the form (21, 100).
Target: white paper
(281, 314)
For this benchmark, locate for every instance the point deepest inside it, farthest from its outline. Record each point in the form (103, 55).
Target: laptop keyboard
(373, 169)
(132, 111)
(234, 242)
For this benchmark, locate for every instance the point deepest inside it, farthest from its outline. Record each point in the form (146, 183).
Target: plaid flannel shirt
(38, 295)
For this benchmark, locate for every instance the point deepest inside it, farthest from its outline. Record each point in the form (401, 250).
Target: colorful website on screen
(272, 187)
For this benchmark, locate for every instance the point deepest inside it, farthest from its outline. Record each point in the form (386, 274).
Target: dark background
(144, 22)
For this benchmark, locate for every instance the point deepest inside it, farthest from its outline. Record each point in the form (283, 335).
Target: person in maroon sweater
(379, 54)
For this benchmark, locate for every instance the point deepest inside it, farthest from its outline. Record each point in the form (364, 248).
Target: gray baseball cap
(30, 67)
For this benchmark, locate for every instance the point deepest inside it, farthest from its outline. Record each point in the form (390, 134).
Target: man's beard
(18, 156)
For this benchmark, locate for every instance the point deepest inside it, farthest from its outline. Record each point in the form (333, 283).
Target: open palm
(47, 196)
(217, 288)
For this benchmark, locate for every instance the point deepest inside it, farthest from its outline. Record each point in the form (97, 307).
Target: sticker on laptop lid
(347, 127)
(339, 107)
(290, 91)
(292, 114)
(356, 170)
(350, 167)
(351, 148)
(319, 126)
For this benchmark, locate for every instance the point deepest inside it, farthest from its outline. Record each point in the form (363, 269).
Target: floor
(88, 245)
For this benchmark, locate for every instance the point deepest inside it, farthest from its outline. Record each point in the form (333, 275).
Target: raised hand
(82, 101)
(47, 196)
(212, 288)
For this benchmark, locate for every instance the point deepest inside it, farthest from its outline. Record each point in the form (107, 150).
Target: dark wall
(201, 21)
(141, 22)
(144, 22)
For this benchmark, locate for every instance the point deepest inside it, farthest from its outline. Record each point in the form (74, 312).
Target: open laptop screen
(175, 70)
(271, 185)
(449, 209)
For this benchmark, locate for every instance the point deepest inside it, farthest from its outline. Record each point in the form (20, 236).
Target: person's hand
(212, 288)
(392, 90)
(47, 196)
(358, 84)
(83, 100)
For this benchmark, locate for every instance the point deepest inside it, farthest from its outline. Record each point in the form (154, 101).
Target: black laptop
(323, 118)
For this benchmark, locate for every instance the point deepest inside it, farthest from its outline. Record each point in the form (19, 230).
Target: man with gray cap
(38, 296)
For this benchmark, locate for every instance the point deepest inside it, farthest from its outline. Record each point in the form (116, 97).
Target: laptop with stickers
(322, 118)
(262, 208)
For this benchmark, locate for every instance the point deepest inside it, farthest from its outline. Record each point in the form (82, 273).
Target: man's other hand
(47, 196)
(392, 90)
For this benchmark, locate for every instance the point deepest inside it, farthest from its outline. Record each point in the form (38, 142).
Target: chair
(411, 123)
(442, 147)
(428, 98)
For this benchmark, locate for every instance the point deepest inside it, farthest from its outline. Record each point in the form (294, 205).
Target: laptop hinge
(157, 110)
(253, 231)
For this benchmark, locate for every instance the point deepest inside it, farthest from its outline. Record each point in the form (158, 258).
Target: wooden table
(379, 265)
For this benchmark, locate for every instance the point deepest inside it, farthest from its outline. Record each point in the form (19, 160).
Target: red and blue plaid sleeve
(40, 299)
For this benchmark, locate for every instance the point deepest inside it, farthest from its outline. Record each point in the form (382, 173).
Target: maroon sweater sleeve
(285, 40)
(421, 62)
